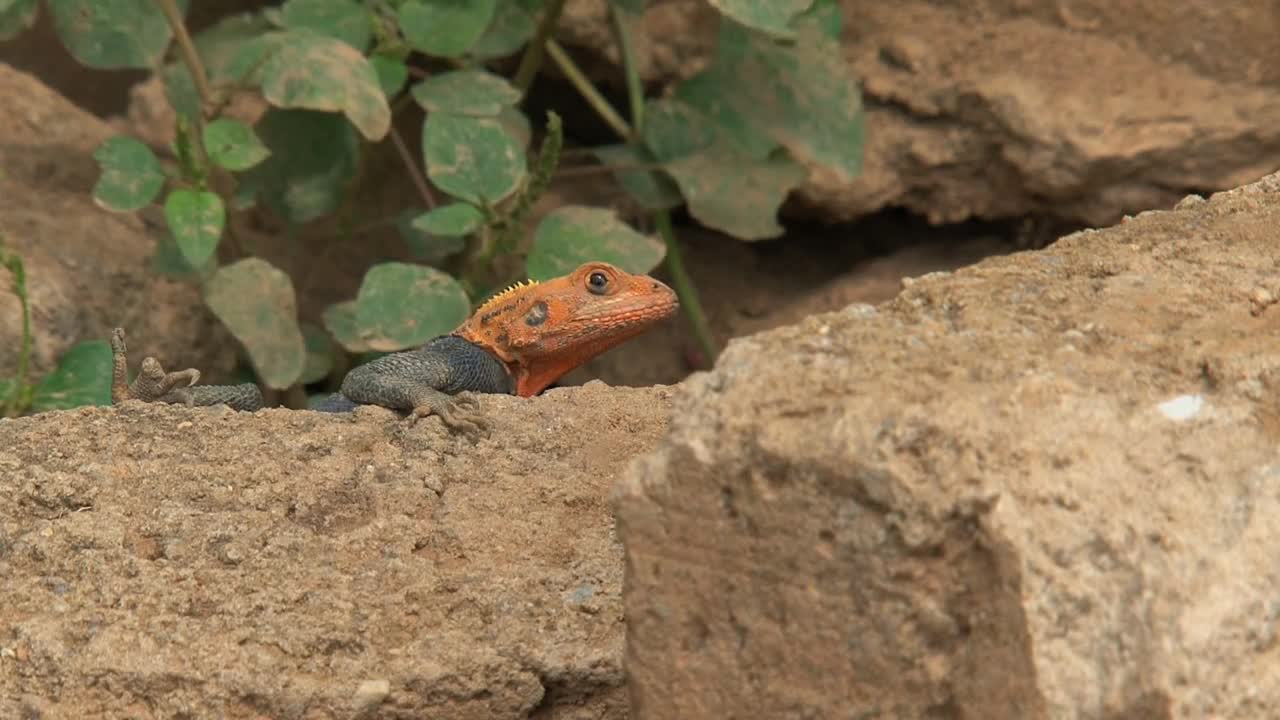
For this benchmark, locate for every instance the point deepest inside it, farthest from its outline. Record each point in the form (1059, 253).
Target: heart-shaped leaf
(445, 28)
(83, 377)
(313, 157)
(472, 158)
(113, 34)
(316, 72)
(196, 219)
(452, 220)
(233, 145)
(572, 235)
(131, 176)
(257, 304)
(401, 305)
(392, 73)
(466, 92)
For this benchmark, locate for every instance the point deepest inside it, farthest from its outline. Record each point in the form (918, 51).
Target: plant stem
(597, 101)
(531, 61)
(685, 289)
(415, 174)
(17, 402)
(188, 49)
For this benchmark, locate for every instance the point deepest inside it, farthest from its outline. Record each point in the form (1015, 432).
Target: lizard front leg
(153, 384)
(436, 379)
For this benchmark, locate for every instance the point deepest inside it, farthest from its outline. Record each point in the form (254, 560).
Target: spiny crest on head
(505, 294)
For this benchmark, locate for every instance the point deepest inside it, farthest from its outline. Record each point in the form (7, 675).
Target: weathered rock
(1043, 487)
(1080, 110)
(88, 269)
(160, 561)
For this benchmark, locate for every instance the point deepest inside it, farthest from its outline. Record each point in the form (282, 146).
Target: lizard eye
(598, 283)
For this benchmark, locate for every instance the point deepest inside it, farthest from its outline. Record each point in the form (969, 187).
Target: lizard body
(518, 342)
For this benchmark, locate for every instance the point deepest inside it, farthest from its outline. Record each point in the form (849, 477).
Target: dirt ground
(163, 563)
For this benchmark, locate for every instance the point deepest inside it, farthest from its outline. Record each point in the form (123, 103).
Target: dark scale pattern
(446, 365)
(246, 397)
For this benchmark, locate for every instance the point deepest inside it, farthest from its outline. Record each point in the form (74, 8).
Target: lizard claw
(469, 422)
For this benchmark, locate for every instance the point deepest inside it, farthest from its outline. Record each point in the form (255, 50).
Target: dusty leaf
(445, 28)
(345, 20)
(319, 354)
(315, 72)
(574, 234)
(473, 159)
(770, 16)
(735, 194)
(16, 16)
(257, 304)
(454, 220)
(219, 46)
(392, 73)
(427, 247)
(82, 377)
(113, 34)
(340, 320)
(196, 219)
(652, 189)
(130, 175)
(466, 92)
(233, 145)
(402, 305)
(313, 156)
(514, 24)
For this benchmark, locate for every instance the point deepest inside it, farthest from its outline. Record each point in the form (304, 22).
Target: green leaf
(319, 354)
(320, 73)
(514, 121)
(574, 234)
(131, 176)
(113, 34)
(801, 94)
(401, 305)
(257, 304)
(83, 377)
(196, 219)
(313, 156)
(728, 187)
(453, 220)
(392, 73)
(233, 145)
(514, 24)
(445, 28)
(770, 16)
(474, 159)
(344, 20)
(340, 320)
(168, 260)
(653, 190)
(16, 16)
(424, 246)
(466, 92)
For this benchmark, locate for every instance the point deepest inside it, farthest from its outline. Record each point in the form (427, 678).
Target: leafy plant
(728, 143)
(79, 376)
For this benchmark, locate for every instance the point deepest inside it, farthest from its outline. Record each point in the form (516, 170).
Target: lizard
(518, 342)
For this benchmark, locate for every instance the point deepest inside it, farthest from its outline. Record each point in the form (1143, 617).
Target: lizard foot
(470, 422)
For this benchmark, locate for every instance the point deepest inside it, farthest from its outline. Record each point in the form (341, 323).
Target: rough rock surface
(87, 268)
(1077, 109)
(165, 562)
(1042, 487)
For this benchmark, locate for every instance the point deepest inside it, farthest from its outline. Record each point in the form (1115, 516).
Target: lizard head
(542, 330)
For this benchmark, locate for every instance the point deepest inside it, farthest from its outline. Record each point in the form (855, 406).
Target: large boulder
(1046, 486)
(166, 562)
(1080, 110)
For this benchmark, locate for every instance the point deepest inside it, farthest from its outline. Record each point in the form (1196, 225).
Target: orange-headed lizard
(518, 342)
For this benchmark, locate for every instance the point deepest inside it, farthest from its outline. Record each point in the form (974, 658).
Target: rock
(88, 270)
(1081, 110)
(1041, 487)
(290, 563)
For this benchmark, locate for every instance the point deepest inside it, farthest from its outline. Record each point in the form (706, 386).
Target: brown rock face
(1042, 487)
(88, 269)
(163, 562)
(1082, 110)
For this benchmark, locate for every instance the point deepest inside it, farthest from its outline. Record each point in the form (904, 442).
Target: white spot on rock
(1183, 407)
